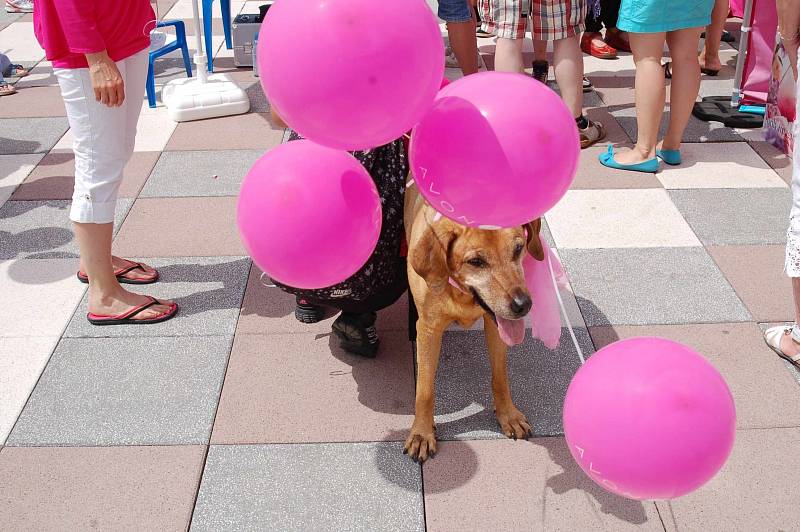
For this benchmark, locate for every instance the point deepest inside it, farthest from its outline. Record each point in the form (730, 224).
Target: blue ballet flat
(649, 166)
(671, 157)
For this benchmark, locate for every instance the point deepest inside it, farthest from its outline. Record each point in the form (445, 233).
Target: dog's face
(488, 263)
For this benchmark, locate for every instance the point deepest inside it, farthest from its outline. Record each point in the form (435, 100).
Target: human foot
(127, 271)
(780, 340)
(123, 303)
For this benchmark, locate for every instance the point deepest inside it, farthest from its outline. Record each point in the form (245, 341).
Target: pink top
(67, 29)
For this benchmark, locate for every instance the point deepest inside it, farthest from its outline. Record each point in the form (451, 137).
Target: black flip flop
(707, 71)
(719, 109)
(126, 318)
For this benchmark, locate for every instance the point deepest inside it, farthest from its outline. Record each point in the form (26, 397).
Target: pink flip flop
(128, 317)
(120, 274)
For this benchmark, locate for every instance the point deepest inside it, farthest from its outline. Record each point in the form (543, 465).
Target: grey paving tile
(539, 379)
(751, 216)
(42, 229)
(651, 286)
(125, 391)
(209, 291)
(199, 173)
(696, 130)
(363, 486)
(31, 135)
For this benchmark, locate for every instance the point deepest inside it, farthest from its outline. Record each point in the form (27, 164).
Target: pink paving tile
(269, 310)
(522, 485)
(303, 388)
(111, 488)
(776, 159)
(763, 390)
(614, 132)
(31, 102)
(756, 273)
(755, 491)
(180, 227)
(593, 175)
(252, 131)
(54, 177)
(614, 96)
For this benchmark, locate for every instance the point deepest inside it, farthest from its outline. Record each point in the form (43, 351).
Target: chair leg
(150, 86)
(226, 22)
(187, 61)
(207, 32)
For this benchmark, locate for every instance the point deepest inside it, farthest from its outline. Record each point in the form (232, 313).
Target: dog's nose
(521, 304)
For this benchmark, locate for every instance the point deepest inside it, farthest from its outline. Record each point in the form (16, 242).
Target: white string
(261, 278)
(564, 311)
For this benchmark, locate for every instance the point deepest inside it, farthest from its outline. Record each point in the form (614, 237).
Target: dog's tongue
(512, 332)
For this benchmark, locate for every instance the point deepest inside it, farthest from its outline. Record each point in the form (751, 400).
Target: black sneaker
(541, 71)
(357, 334)
(305, 312)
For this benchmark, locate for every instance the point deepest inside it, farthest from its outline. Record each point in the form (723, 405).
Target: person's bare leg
(709, 57)
(568, 67)
(464, 44)
(789, 346)
(508, 55)
(106, 295)
(685, 83)
(650, 93)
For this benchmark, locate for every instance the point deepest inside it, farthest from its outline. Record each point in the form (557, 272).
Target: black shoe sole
(357, 348)
(309, 314)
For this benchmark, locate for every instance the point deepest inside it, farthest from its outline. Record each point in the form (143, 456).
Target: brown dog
(460, 274)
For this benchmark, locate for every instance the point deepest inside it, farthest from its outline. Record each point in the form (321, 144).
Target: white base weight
(192, 99)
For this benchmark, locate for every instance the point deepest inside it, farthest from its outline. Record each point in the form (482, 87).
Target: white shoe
(773, 338)
(19, 6)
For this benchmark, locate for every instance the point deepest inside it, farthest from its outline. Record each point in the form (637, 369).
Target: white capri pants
(104, 137)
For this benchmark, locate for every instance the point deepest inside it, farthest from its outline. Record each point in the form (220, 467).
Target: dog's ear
(429, 257)
(534, 244)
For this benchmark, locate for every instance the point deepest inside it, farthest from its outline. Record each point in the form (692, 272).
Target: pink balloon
(497, 150)
(351, 74)
(648, 418)
(310, 216)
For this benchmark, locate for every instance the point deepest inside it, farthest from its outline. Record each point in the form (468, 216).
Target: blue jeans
(5, 66)
(455, 11)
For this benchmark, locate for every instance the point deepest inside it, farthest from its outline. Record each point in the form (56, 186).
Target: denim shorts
(455, 11)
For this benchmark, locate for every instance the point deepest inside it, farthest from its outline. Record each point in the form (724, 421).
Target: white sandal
(773, 338)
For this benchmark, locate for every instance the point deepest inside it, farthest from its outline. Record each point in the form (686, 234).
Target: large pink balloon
(351, 74)
(310, 216)
(497, 149)
(648, 418)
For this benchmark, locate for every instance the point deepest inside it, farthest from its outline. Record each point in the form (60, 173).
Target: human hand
(791, 47)
(107, 82)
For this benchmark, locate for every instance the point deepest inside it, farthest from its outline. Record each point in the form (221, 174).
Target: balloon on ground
(648, 418)
(350, 74)
(310, 216)
(495, 150)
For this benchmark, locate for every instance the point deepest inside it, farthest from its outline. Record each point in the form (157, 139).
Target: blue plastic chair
(178, 43)
(225, 5)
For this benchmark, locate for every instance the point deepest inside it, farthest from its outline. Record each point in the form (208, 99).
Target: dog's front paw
(513, 422)
(421, 443)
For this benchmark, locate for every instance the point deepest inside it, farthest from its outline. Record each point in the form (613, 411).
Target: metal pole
(744, 42)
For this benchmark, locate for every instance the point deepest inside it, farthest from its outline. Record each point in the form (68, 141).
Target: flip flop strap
(137, 310)
(133, 266)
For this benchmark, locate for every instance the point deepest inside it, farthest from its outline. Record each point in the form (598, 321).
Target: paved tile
(649, 286)
(55, 489)
(269, 310)
(209, 291)
(30, 135)
(42, 229)
(618, 219)
(126, 391)
(252, 131)
(539, 379)
(368, 486)
(35, 102)
(41, 75)
(754, 491)
(54, 177)
(200, 173)
(775, 158)
(303, 388)
(593, 175)
(21, 362)
(39, 296)
(13, 170)
(696, 130)
(756, 273)
(206, 228)
(736, 217)
(720, 165)
(756, 377)
(614, 132)
(522, 485)
(153, 131)
(18, 42)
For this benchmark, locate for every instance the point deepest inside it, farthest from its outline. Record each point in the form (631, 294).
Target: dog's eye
(518, 251)
(477, 262)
